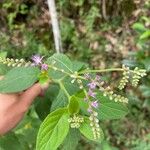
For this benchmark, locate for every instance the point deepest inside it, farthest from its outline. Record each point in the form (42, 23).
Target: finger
(17, 109)
(11, 121)
(29, 95)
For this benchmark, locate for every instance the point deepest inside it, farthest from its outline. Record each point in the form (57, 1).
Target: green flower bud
(75, 121)
(125, 79)
(14, 62)
(137, 74)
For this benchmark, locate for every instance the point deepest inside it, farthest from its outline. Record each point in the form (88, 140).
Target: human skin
(14, 106)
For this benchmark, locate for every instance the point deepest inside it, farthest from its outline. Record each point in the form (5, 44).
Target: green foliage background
(122, 38)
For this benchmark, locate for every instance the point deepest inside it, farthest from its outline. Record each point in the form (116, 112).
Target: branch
(104, 13)
(55, 25)
(100, 71)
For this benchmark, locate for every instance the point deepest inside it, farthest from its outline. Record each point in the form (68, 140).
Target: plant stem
(60, 70)
(85, 92)
(100, 71)
(69, 74)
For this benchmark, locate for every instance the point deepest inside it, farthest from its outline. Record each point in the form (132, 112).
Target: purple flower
(94, 104)
(37, 59)
(44, 67)
(91, 93)
(92, 85)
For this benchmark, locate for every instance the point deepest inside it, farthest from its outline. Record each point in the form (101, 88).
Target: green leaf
(73, 105)
(3, 54)
(19, 79)
(77, 65)
(145, 90)
(71, 88)
(145, 35)
(27, 130)
(43, 77)
(71, 140)
(42, 104)
(106, 146)
(130, 63)
(109, 109)
(146, 63)
(3, 69)
(10, 142)
(139, 27)
(146, 104)
(86, 130)
(53, 130)
(61, 62)
(60, 101)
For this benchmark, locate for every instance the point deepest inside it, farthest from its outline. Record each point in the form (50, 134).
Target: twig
(55, 25)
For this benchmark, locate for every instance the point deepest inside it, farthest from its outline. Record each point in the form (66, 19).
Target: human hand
(14, 106)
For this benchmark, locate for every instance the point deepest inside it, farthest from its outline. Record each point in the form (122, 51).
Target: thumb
(30, 94)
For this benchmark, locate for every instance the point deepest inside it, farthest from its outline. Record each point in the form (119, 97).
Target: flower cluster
(137, 75)
(112, 96)
(94, 124)
(133, 75)
(97, 82)
(93, 105)
(14, 62)
(75, 121)
(125, 78)
(37, 61)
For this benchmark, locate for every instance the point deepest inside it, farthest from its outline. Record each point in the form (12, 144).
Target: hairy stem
(69, 74)
(101, 70)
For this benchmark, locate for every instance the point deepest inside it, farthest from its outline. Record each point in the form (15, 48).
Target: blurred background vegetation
(103, 33)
